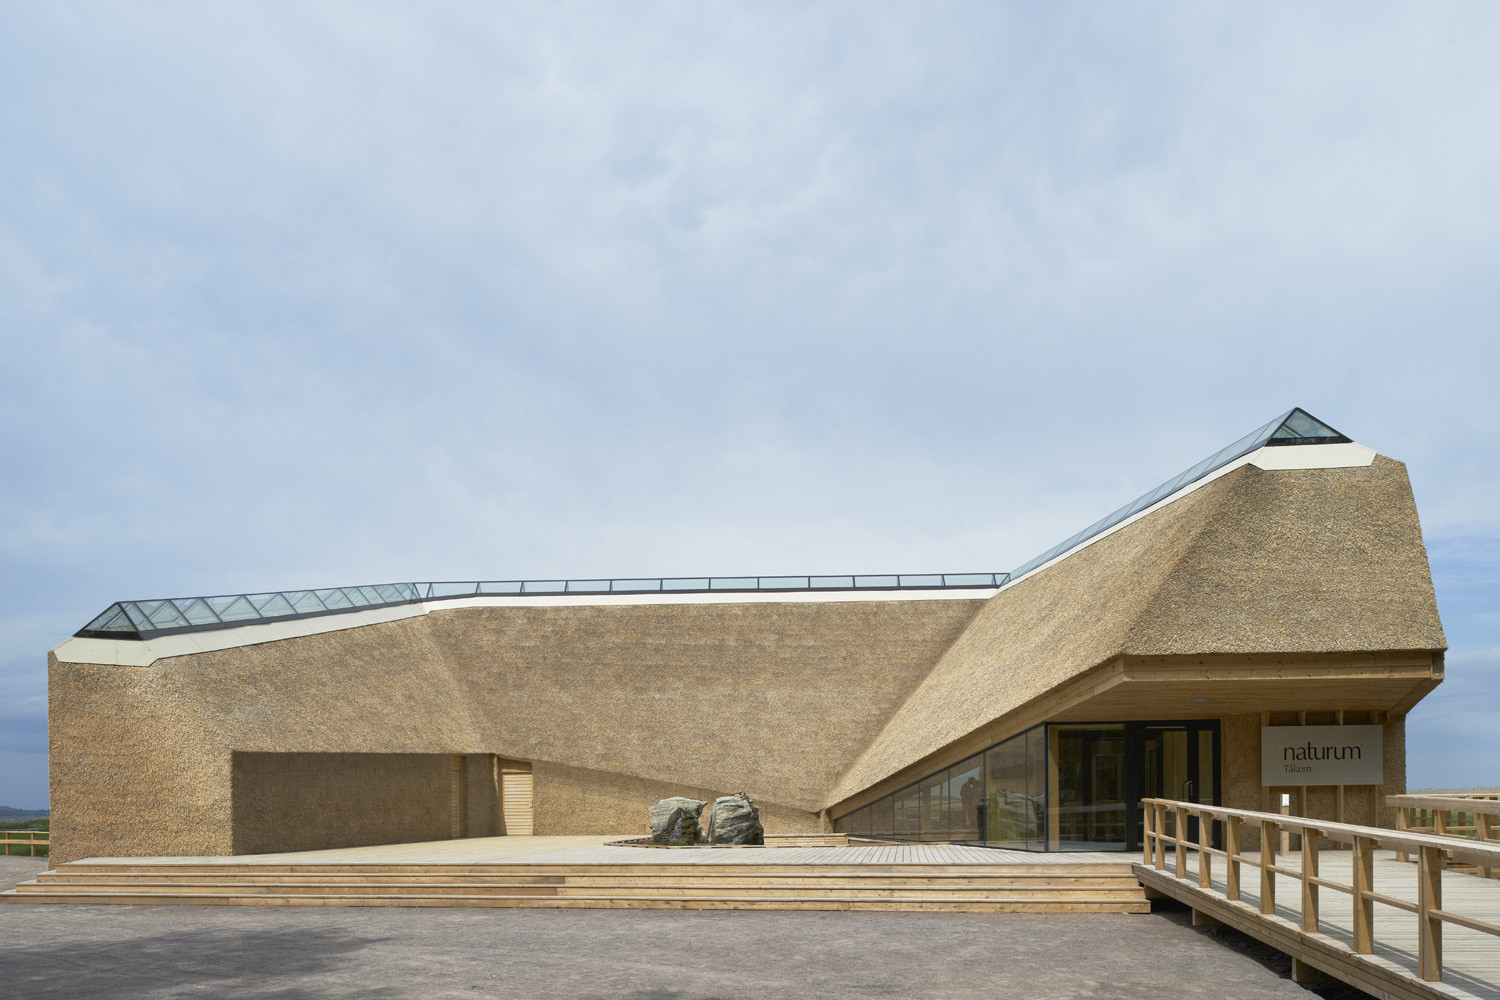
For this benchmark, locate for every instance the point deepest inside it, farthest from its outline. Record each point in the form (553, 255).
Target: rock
(676, 819)
(735, 820)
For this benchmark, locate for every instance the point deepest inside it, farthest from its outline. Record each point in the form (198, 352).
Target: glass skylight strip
(136, 619)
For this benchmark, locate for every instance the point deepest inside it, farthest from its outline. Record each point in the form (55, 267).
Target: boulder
(676, 819)
(735, 820)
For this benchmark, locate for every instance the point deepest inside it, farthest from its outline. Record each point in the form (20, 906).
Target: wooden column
(1267, 859)
(1364, 906)
(1339, 789)
(1429, 898)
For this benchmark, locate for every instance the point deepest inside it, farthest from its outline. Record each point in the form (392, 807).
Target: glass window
(935, 806)
(1090, 787)
(861, 824)
(1009, 812)
(965, 795)
(908, 813)
(883, 821)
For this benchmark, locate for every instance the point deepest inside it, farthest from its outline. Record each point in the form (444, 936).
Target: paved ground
(13, 870)
(286, 954)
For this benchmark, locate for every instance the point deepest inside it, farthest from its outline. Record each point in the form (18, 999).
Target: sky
(319, 293)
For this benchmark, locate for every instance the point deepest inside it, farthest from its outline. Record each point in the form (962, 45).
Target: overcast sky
(305, 294)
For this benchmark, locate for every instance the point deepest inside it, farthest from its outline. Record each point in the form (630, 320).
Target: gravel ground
(303, 952)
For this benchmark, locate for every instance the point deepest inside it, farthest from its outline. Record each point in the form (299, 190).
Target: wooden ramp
(1471, 959)
(603, 876)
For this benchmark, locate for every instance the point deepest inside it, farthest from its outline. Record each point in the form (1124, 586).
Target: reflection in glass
(882, 822)
(965, 794)
(908, 812)
(1090, 787)
(935, 806)
(1012, 813)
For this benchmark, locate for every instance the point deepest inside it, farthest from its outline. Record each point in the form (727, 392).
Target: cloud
(319, 294)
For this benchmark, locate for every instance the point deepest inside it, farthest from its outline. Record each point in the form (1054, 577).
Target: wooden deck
(589, 872)
(1471, 960)
(601, 850)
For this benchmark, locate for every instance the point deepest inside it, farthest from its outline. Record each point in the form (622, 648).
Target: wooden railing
(1432, 854)
(1467, 816)
(24, 838)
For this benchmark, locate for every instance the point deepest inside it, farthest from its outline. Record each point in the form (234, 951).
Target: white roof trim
(144, 652)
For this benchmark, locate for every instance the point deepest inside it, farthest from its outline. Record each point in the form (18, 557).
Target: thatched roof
(1301, 561)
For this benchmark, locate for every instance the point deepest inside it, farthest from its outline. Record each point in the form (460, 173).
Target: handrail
(1437, 812)
(6, 840)
(1487, 804)
(1432, 854)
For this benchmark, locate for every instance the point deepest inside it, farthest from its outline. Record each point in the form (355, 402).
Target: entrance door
(1177, 760)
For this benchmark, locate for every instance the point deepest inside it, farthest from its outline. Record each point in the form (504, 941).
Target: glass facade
(1055, 787)
(1090, 786)
(997, 798)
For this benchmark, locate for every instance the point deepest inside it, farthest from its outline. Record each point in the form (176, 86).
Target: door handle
(1187, 792)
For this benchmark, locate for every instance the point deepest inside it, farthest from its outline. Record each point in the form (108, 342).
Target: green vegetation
(22, 850)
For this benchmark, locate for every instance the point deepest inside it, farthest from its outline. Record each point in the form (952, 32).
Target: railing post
(1161, 837)
(1484, 832)
(1179, 837)
(1205, 865)
(1364, 906)
(1309, 887)
(1403, 824)
(1268, 833)
(1442, 819)
(1429, 898)
(1232, 845)
(1148, 813)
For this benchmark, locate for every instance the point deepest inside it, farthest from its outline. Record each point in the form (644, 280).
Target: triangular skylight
(1301, 427)
(1294, 427)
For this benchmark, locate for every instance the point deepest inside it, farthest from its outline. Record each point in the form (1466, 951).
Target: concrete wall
(1241, 773)
(576, 800)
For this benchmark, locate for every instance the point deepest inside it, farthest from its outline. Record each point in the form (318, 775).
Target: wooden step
(661, 889)
(957, 904)
(1041, 888)
(575, 877)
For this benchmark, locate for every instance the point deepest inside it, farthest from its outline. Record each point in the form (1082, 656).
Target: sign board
(1321, 755)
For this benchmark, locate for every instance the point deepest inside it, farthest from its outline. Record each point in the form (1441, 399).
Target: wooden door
(515, 800)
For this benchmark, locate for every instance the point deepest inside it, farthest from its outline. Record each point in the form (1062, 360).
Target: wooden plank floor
(601, 850)
(1471, 960)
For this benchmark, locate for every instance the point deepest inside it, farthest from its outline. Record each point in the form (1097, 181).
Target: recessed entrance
(1176, 760)
(1100, 771)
